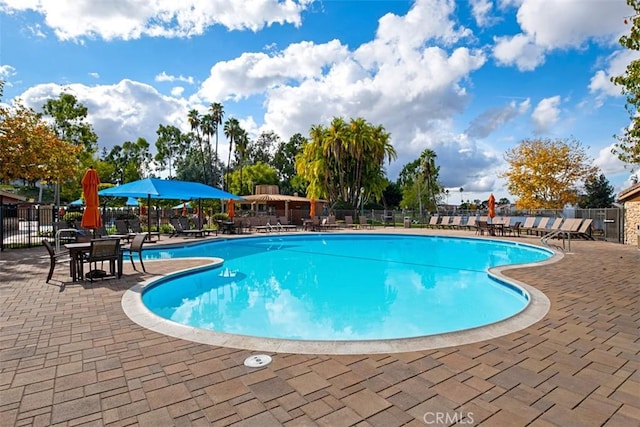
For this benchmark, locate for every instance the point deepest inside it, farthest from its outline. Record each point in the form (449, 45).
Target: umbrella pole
(149, 217)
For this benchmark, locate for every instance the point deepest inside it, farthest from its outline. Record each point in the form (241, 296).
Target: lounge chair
(482, 227)
(329, 223)
(364, 222)
(284, 225)
(584, 231)
(455, 222)
(348, 222)
(542, 224)
(529, 224)
(433, 221)
(470, 224)
(134, 226)
(553, 227)
(444, 222)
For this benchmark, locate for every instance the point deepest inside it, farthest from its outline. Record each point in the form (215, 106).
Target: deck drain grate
(257, 361)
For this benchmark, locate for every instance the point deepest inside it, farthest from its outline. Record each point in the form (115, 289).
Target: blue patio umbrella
(155, 188)
(181, 205)
(131, 201)
(78, 202)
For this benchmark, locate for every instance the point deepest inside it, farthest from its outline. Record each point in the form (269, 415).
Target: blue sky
(468, 79)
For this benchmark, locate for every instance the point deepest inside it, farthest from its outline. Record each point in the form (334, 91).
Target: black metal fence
(25, 225)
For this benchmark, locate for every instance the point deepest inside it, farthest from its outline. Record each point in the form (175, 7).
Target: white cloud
(95, 75)
(549, 25)
(177, 91)
(608, 163)
(7, 71)
(164, 77)
(546, 114)
(481, 10)
(601, 84)
(518, 50)
(121, 112)
(131, 19)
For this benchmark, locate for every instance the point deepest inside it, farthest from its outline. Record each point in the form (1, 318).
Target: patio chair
(55, 257)
(135, 247)
(513, 229)
(584, 231)
(481, 227)
(103, 250)
(455, 222)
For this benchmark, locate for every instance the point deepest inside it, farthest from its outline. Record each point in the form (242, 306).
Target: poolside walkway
(72, 357)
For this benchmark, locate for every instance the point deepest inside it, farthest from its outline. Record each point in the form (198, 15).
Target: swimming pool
(342, 287)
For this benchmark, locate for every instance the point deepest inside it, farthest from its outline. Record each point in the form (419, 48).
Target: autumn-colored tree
(30, 149)
(545, 174)
(628, 147)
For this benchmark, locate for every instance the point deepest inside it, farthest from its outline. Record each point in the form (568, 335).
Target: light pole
(362, 201)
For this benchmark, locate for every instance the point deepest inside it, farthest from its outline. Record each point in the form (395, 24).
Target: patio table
(76, 257)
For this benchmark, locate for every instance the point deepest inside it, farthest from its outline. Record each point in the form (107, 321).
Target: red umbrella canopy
(492, 206)
(231, 209)
(91, 217)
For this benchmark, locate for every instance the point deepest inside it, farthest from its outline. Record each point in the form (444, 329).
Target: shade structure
(91, 217)
(78, 202)
(492, 206)
(231, 209)
(312, 209)
(131, 201)
(156, 188)
(182, 205)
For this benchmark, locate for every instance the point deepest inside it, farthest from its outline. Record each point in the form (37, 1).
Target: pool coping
(535, 311)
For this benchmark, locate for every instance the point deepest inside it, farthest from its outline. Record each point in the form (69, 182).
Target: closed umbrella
(231, 209)
(91, 218)
(312, 209)
(492, 206)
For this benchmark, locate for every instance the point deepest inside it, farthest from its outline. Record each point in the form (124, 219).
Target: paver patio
(72, 357)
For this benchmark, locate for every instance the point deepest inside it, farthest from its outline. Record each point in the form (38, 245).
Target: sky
(468, 79)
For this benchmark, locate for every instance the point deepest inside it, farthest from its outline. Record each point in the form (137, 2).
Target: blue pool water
(342, 286)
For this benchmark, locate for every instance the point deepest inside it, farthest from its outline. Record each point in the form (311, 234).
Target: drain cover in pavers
(257, 361)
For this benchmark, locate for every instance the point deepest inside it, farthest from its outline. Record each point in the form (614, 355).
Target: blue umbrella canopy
(131, 201)
(78, 202)
(156, 188)
(181, 205)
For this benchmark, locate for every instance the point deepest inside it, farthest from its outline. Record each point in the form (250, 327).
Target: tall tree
(30, 149)
(170, 143)
(195, 121)
(208, 128)
(599, 193)
(69, 123)
(242, 142)
(131, 160)
(628, 147)
(256, 174)
(232, 130)
(545, 174)
(344, 158)
(284, 160)
(419, 182)
(216, 110)
(262, 148)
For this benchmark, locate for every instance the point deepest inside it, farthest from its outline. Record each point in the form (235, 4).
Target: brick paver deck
(72, 357)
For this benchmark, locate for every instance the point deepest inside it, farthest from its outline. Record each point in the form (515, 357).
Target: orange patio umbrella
(184, 209)
(312, 209)
(492, 206)
(91, 217)
(231, 209)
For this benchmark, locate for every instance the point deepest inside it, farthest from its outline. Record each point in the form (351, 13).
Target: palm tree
(242, 141)
(217, 113)
(430, 171)
(232, 130)
(206, 126)
(194, 122)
